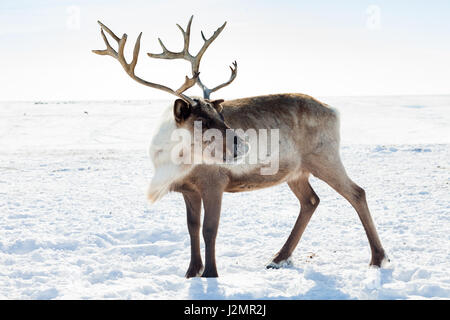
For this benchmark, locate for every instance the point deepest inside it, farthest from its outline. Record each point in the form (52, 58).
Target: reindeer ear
(217, 104)
(181, 110)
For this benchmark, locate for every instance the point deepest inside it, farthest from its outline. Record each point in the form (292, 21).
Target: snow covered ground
(74, 221)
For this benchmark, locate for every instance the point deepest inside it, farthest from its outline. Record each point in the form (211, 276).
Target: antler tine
(207, 92)
(130, 67)
(208, 42)
(189, 82)
(112, 34)
(186, 36)
(109, 50)
(232, 77)
(184, 54)
(137, 47)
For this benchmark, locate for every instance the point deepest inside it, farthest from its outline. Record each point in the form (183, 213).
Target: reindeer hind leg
(308, 204)
(332, 171)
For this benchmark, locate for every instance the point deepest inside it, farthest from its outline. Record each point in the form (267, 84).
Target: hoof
(210, 274)
(194, 271)
(380, 261)
(282, 264)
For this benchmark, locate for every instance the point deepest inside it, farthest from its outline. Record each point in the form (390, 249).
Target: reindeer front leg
(212, 201)
(193, 212)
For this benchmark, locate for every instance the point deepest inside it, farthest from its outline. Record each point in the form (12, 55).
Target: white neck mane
(166, 171)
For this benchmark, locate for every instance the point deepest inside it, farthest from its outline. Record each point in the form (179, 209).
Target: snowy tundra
(309, 144)
(75, 222)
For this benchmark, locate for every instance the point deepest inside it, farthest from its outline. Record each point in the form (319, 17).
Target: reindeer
(309, 144)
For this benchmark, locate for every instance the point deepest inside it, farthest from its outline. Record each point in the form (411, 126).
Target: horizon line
(169, 99)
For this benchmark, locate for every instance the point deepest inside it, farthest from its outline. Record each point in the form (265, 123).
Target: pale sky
(321, 48)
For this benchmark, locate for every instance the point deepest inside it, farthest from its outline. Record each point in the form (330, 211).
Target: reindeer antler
(130, 67)
(195, 60)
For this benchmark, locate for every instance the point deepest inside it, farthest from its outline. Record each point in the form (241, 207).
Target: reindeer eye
(207, 123)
